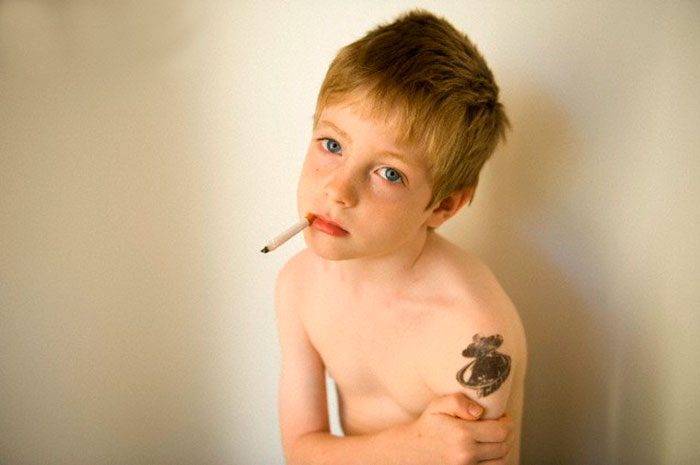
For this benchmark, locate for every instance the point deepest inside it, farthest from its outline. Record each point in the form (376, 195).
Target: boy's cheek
(311, 169)
(308, 184)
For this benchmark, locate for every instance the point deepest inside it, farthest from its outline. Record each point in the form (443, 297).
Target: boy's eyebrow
(337, 129)
(388, 153)
(398, 156)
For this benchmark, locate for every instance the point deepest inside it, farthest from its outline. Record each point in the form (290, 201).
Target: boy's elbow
(300, 449)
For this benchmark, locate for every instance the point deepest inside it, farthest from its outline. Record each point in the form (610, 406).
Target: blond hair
(422, 73)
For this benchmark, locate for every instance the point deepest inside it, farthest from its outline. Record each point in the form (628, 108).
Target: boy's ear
(448, 206)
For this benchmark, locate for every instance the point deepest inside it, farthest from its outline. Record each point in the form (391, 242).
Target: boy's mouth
(329, 227)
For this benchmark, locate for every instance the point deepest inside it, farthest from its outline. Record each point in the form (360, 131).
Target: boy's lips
(329, 227)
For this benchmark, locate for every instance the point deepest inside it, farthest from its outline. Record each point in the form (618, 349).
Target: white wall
(148, 149)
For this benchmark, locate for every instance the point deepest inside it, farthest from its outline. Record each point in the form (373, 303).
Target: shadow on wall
(547, 253)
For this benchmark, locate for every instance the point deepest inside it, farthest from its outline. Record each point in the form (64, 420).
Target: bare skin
(394, 353)
(413, 330)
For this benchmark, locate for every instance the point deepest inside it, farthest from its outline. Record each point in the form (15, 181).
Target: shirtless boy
(419, 337)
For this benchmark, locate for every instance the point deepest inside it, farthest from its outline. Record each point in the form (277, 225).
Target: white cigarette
(292, 231)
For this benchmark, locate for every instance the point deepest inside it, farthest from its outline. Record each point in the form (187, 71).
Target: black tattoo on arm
(489, 369)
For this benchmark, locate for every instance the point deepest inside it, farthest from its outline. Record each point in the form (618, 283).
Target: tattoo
(489, 369)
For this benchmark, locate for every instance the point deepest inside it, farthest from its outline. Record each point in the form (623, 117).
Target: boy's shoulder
(466, 279)
(299, 267)
(472, 294)
(299, 262)
(476, 317)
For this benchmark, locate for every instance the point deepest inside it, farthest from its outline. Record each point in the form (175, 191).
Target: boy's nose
(341, 189)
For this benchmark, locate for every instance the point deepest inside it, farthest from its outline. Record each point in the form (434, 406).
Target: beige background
(149, 148)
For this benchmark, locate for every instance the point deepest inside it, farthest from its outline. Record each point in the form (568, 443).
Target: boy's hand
(447, 433)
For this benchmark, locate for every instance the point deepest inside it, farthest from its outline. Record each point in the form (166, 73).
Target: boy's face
(369, 195)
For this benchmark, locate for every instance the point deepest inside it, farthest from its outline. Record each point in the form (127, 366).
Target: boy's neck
(392, 271)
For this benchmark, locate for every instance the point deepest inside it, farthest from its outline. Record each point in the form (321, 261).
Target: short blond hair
(425, 75)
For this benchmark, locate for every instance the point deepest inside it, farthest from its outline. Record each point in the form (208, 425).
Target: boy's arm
(477, 347)
(302, 390)
(445, 434)
(440, 435)
(481, 355)
(481, 366)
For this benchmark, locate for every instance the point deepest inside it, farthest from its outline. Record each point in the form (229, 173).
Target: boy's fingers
(458, 405)
(500, 430)
(492, 451)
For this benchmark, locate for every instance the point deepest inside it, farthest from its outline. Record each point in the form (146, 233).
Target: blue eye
(390, 174)
(331, 145)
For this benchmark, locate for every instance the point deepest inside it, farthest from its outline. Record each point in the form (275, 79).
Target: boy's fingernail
(475, 410)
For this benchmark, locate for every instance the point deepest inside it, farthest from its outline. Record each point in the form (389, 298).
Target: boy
(419, 337)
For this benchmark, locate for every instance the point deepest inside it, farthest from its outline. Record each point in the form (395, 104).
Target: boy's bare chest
(374, 350)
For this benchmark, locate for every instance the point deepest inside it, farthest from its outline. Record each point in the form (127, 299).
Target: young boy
(419, 337)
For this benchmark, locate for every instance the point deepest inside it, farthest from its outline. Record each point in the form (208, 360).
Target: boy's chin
(330, 251)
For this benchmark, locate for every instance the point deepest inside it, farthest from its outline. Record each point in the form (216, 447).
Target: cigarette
(292, 231)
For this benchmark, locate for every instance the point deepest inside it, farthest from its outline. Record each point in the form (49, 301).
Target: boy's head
(428, 80)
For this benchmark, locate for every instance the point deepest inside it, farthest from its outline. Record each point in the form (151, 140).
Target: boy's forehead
(386, 120)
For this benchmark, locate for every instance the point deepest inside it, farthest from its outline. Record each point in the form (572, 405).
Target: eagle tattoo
(489, 369)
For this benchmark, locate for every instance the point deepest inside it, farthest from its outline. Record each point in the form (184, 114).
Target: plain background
(148, 149)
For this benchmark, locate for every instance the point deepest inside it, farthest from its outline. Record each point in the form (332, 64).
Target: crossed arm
(445, 433)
